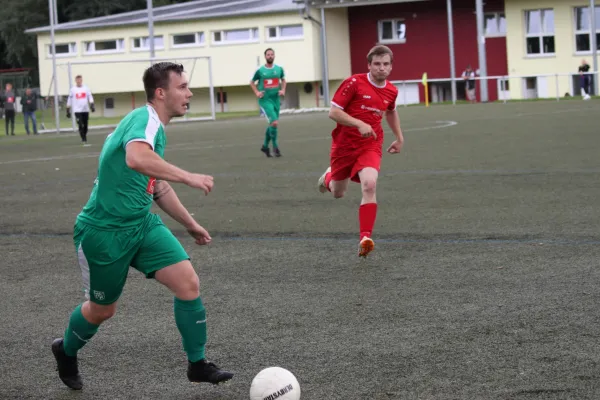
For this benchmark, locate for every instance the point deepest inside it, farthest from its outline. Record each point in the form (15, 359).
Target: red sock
(328, 180)
(366, 216)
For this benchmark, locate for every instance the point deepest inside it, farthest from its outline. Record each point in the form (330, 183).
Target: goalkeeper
(81, 101)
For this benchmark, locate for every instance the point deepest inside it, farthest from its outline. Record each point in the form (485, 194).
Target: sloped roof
(348, 3)
(192, 10)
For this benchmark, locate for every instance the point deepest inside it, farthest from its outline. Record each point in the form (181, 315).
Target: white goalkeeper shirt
(79, 99)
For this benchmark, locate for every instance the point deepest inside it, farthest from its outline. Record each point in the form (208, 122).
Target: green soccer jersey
(269, 80)
(122, 197)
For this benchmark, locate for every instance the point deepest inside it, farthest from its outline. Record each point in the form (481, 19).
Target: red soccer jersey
(360, 98)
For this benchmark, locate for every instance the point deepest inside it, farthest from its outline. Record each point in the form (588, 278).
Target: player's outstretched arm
(166, 198)
(141, 158)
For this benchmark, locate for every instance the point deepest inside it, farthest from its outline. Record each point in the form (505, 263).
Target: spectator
(469, 77)
(29, 103)
(584, 68)
(8, 99)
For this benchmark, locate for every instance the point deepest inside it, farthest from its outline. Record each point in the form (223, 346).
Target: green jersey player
(271, 85)
(115, 229)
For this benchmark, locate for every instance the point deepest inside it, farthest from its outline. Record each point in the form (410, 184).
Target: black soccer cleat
(68, 371)
(204, 371)
(277, 152)
(266, 151)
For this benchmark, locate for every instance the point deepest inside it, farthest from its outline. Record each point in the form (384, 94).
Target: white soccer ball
(275, 383)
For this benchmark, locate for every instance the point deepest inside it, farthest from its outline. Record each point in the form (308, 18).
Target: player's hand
(200, 234)
(366, 130)
(68, 113)
(199, 181)
(260, 95)
(282, 93)
(92, 107)
(395, 147)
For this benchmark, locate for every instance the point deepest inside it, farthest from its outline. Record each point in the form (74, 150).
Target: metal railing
(505, 87)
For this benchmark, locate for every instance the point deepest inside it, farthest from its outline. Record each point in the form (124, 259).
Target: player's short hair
(380, 50)
(78, 76)
(158, 76)
(270, 50)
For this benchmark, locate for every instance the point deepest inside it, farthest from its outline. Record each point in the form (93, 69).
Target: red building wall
(427, 44)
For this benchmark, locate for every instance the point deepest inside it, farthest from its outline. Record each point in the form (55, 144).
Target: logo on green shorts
(98, 295)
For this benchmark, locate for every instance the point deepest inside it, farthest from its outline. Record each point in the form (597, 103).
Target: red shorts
(347, 163)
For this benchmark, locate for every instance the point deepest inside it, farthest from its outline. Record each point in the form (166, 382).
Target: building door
(221, 100)
(503, 89)
(408, 93)
(292, 97)
(441, 92)
(542, 87)
(109, 107)
(530, 88)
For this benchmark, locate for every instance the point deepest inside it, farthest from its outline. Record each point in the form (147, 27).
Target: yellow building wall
(338, 44)
(232, 64)
(566, 60)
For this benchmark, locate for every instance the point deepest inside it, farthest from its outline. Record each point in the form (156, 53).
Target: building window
(236, 36)
(143, 43)
(540, 32)
(285, 32)
(392, 31)
(188, 39)
(105, 46)
(109, 103)
(583, 30)
(495, 25)
(63, 49)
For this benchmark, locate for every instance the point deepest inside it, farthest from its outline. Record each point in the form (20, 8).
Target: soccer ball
(275, 383)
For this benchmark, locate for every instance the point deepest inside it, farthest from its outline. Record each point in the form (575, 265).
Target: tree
(18, 49)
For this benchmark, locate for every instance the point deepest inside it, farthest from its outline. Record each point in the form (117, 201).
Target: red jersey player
(358, 107)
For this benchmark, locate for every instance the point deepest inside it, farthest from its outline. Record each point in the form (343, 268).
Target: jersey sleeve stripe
(140, 140)
(152, 130)
(337, 105)
(152, 127)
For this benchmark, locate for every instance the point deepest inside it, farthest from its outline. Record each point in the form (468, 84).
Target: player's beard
(270, 60)
(177, 110)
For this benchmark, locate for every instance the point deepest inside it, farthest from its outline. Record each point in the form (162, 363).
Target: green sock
(274, 137)
(78, 333)
(190, 318)
(267, 137)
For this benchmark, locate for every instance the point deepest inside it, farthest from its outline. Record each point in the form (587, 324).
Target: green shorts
(270, 107)
(105, 256)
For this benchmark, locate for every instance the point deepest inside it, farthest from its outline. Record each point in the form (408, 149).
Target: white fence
(507, 87)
